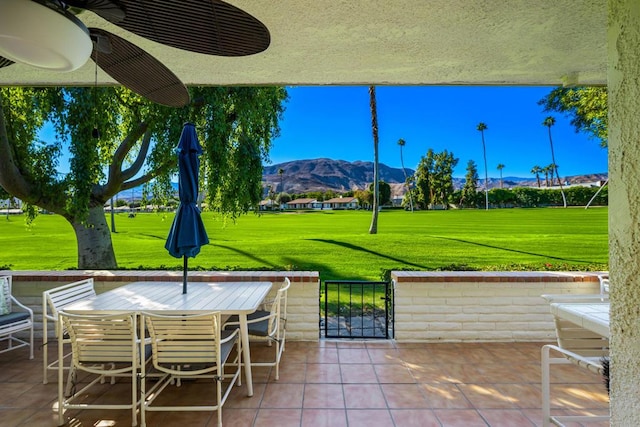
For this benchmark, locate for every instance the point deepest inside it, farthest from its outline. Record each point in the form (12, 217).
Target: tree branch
(160, 170)
(131, 171)
(115, 177)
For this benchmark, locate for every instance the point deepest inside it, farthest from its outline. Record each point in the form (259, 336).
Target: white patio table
(593, 316)
(241, 298)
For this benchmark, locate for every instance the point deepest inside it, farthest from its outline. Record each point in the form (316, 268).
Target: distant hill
(302, 176)
(321, 174)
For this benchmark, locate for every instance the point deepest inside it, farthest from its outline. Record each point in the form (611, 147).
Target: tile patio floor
(343, 383)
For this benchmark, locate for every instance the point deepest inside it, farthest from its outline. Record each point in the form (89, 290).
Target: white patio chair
(604, 286)
(14, 317)
(189, 346)
(53, 301)
(269, 326)
(580, 347)
(102, 345)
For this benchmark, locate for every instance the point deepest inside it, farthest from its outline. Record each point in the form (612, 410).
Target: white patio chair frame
(102, 345)
(604, 286)
(268, 325)
(189, 346)
(53, 301)
(577, 346)
(19, 319)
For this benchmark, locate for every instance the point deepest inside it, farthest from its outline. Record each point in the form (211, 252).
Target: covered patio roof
(403, 42)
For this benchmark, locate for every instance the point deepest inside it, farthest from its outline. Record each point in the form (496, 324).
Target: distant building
(303, 204)
(340, 203)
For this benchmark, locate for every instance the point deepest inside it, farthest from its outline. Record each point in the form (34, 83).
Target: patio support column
(623, 39)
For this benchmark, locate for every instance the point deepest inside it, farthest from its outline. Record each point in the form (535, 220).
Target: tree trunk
(373, 229)
(95, 249)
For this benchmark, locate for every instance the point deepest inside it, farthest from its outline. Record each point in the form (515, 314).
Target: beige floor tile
(414, 418)
(369, 418)
(460, 418)
(323, 396)
(506, 418)
(364, 396)
(324, 418)
(278, 417)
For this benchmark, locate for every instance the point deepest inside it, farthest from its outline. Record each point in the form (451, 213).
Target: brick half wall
(481, 306)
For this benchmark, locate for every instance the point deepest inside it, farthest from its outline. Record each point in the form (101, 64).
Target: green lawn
(337, 243)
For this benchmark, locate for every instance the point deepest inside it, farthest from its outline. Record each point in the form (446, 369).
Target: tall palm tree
(373, 229)
(401, 143)
(281, 172)
(537, 170)
(548, 122)
(482, 127)
(500, 167)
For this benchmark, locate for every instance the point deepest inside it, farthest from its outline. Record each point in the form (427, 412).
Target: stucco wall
(624, 208)
(481, 306)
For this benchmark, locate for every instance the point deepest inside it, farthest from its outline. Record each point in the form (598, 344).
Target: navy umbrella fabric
(187, 232)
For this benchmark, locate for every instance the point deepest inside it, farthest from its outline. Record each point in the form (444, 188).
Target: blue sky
(335, 122)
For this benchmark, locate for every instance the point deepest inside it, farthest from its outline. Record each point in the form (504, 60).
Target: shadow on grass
(512, 250)
(369, 251)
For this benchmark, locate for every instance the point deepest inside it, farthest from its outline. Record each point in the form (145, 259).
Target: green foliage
(283, 198)
(434, 182)
(336, 243)
(586, 106)
(469, 194)
(384, 192)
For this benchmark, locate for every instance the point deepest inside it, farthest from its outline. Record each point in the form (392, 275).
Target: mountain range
(301, 176)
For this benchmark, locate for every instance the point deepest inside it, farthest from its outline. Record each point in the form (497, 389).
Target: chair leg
(546, 388)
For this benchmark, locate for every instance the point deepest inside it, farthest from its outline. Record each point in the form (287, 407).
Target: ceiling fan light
(36, 35)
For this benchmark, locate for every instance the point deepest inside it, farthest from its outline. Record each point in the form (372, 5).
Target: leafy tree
(482, 127)
(444, 164)
(117, 141)
(373, 229)
(469, 195)
(587, 107)
(283, 198)
(500, 167)
(424, 189)
(384, 190)
(364, 197)
(537, 170)
(549, 122)
(434, 182)
(401, 143)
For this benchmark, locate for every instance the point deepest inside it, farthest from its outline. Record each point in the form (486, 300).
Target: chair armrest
(232, 336)
(22, 306)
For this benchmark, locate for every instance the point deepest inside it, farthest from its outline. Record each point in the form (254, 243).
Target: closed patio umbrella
(187, 232)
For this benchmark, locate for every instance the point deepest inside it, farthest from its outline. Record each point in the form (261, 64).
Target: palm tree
(500, 167)
(281, 172)
(401, 143)
(482, 127)
(548, 122)
(373, 229)
(546, 175)
(536, 170)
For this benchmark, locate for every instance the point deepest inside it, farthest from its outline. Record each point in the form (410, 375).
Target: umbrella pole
(184, 275)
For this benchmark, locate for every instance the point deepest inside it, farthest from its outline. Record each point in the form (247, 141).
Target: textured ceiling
(398, 42)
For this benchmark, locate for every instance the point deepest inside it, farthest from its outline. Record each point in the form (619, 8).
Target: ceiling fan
(47, 34)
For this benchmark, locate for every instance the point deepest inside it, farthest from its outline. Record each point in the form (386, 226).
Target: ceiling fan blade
(4, 62)
(210, 27)
(139, 71)
(107, 9)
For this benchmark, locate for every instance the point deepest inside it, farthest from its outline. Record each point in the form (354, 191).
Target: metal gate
(357, 309)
